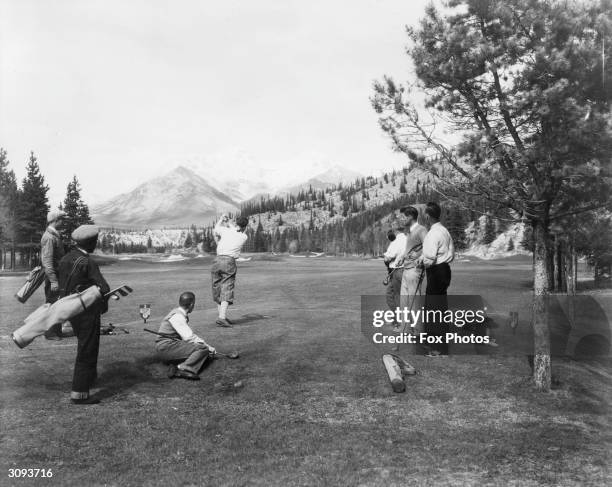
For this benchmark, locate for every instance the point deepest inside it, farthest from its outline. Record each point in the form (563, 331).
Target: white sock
(223, 309)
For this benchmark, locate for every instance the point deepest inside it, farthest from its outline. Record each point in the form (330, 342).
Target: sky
(117, 92)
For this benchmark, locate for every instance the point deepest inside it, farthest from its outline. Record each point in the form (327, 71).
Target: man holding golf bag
(51, 252)
(77, 272)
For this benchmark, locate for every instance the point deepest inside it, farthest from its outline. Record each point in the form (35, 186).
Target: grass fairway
(315, 407)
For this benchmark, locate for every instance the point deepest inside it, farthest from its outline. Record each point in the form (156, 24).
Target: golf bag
(48, 315)
(33, 282)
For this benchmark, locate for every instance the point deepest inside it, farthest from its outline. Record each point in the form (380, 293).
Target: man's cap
(54, 215)
(85, 232)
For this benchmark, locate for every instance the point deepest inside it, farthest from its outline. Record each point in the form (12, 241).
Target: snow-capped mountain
(241, 177)
(178, 198)
(334, 175)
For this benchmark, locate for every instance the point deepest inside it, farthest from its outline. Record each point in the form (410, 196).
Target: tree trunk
(570, 285)
(541, 333)
(560, 253)
(570, 271)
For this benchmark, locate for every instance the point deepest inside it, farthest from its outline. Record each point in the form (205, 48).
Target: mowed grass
(315, 406)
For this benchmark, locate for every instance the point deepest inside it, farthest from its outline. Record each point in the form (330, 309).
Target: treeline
(337, 198)
(363, 232)
(23, 212)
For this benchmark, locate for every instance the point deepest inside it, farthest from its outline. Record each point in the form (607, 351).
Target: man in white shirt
(394, 253)
(438, 253)
(231, 239)
(177, 342)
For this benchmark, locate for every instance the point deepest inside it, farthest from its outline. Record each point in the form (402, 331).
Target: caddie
(51, 252)
(231, 239)
(77, 272)
(177, 342)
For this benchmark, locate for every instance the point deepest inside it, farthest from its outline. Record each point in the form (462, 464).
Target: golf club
(231, 355)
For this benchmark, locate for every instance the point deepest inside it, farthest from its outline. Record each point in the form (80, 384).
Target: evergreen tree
(75, 207)
(259, 242)
(9, 194)
(33, 204)
(489, 231)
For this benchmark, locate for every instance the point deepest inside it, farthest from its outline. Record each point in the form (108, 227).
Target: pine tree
(75, 207)
(33, 204)
(489, 231)
(9, 197)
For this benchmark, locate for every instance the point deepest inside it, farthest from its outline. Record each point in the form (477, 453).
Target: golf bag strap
(77, 262)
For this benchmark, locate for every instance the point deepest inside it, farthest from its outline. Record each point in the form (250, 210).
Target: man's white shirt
(438, 247)
(396, 249)
(179, 322)
(230, 242)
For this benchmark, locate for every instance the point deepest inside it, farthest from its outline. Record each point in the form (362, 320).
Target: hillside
(340, 219)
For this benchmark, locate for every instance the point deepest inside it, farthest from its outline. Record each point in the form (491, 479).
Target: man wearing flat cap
(51, 252)
(77, 272)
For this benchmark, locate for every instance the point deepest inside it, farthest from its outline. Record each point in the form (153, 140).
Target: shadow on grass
(249, 318)
(122, 376)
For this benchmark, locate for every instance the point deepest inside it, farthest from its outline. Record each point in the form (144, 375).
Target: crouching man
(178, 342)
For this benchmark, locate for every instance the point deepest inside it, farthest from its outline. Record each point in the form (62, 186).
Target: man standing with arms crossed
(231, 239)
(438, 253)
(51, 252)
(412, 277)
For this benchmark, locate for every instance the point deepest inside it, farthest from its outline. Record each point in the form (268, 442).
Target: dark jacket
(77, 272)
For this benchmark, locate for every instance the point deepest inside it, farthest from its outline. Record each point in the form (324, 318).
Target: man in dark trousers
(438, 253)
(51, 252)
(177, 342)
(77, 272)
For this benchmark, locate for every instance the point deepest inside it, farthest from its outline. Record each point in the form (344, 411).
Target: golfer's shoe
(85, 401)
(435, 354)
(224, 323)
(185, 374)
(493, 343)
(171, 371)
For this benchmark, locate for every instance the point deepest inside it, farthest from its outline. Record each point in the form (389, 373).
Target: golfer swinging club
(231, 239)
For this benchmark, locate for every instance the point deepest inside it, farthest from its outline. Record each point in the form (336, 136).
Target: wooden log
(394, 372)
